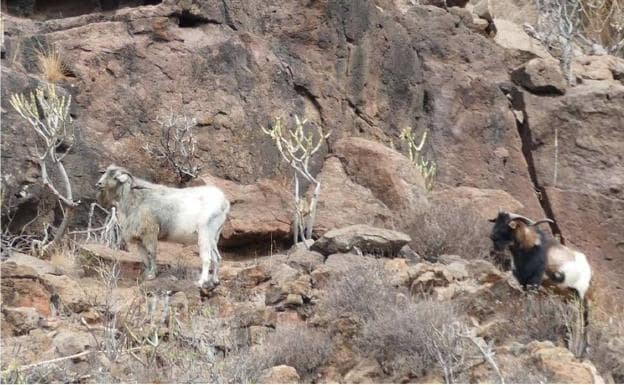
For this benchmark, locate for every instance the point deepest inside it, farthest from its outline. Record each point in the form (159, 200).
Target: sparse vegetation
(301, 347)
(405, 336)
(593, 26)
(449, 228)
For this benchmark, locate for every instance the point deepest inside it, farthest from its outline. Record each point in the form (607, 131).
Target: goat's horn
(543, 221)
(526, 220)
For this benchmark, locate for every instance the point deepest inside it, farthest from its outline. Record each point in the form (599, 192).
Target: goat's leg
(216, 255)
(149, 261)
(148, 239)
(205, 253)
(208, 238)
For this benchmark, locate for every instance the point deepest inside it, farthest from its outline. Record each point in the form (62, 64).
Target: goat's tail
(557, 276)
(225, 207)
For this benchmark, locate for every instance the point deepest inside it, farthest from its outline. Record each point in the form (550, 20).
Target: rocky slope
(283, 318)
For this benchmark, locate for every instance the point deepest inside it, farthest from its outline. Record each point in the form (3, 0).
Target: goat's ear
(492, 220)
(122, 177)
(512, 224)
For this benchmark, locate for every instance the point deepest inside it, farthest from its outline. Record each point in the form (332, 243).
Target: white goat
(150, 212)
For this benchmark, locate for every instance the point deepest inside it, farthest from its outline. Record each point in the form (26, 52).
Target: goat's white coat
(195, 207)
(577, 273)
(195, 215)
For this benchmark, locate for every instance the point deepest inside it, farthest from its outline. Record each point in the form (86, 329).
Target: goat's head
(506, 225)
(111, 183)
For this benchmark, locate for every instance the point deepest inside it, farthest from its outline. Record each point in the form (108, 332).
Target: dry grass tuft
(51, 65)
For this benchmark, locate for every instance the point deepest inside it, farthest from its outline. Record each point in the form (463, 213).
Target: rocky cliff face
(367, 69)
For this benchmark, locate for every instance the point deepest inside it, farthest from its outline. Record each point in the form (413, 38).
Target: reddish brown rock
(541, 76)
(228, 74)
(603, 67)
(511, 35)
(587, 197)
(259, 213)
(252, 276)
(393, 179)
(344, 202)
(560, 365)
(21, 287)
(362, 239)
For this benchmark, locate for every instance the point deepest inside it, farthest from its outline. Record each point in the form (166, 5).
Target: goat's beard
(104, 198)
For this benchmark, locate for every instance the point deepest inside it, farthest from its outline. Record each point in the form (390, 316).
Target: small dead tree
(297, 148)
(177, 145)
(48, 115)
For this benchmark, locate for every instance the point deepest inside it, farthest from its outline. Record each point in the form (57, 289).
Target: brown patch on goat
(525, 236)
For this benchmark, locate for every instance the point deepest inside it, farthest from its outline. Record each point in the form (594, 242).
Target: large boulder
(511, 35)
(220, 63)
(541, 76)
(344, 202)
(281, 374)
(389, 175)
(259, 213)
(366, 239)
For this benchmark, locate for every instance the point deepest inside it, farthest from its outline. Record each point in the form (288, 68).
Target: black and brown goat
(536, 256)
(542, 260)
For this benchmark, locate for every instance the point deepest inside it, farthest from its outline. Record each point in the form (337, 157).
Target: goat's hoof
(208, 286)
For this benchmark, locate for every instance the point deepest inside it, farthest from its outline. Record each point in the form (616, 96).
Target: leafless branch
(177, 145)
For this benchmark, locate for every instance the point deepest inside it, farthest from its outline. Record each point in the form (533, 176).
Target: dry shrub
(583, 23)
(533, 317)
(361, 292)
(301, 347)
(406, 337)
(136, 155)
(603, 22)
(448, 228)
(527, 373)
